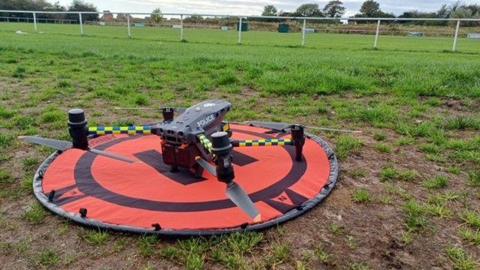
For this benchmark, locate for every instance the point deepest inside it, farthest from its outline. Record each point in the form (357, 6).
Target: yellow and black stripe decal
(268, 142)
(205, 142)
(130, 130)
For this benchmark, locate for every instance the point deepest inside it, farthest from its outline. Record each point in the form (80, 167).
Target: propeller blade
(178, 110)
(204, 164)
(240, 198)
(284, 126)
(111, 155)
(55, 144)
(135, 108)
(65, 145)
(335, 130)
(269, 125)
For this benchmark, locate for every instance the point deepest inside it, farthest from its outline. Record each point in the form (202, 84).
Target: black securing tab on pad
(51, 195)
(156, 227)
(83, 212)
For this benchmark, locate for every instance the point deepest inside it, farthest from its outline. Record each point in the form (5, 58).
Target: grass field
(409, 195)
(317, 40)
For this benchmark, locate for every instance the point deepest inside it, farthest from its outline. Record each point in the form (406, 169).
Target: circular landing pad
(145, 197)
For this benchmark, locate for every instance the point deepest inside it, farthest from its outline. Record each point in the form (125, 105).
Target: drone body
(180, 135)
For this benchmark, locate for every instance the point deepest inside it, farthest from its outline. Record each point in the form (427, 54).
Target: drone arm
(297, 140)
(267, 142)
(130, 130)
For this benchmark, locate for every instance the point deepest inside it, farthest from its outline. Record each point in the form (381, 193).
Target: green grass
(436, 183)
(472, 236)
(460, 259)
(231, 251)
(146, 245)
(347, 145)
(6, 178)
(5, 140)
(323, 256)
(383, 148)
(361, 196)
(96, 238)
(391, 174)
(287, 75)
(48, 258)
(474, 179)
(416, 219)
(471, 218)
(463, 123)
(36, 214)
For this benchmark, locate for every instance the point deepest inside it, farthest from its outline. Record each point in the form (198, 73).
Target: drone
(197, 139)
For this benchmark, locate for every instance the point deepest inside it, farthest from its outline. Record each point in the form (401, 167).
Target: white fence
(240, 18)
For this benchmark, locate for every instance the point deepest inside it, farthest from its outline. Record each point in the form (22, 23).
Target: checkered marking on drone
(130, 130)
(268, 142)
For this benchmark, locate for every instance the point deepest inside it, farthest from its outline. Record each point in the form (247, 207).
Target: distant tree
(270, 10)
(464, 12)
(418, 14)
(308, 10)
(156, 16)
(194, 19)
(283, 13)
(55, 7)
(370, 8)
(36, 5)
(443, 12)
(474, 8)
(79, 5)
(334, 9)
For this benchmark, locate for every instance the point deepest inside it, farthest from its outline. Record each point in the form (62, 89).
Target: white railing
(244, 17)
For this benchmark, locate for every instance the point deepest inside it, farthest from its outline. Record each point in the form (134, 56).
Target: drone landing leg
(174, 169)
(198, 171)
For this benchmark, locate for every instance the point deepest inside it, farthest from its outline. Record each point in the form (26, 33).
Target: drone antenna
(134, 108)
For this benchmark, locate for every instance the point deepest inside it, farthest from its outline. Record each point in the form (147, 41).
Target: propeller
(221, 150)
(240, 198)
(65, 145)
(204, 164)
(177, 110)
(282, 127)
(235, 193)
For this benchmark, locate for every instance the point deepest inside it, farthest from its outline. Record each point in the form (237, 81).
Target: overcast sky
(254, 7)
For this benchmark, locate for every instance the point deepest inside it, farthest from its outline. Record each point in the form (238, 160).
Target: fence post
(181, 28)
(240, 29)
(81, 23)
(375, 44)
(304, 29)
(128, 26)
(35, 21)
(454, 49)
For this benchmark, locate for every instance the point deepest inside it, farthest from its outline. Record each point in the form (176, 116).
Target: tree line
(371, 9)
(333, 9)
(42, 5)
